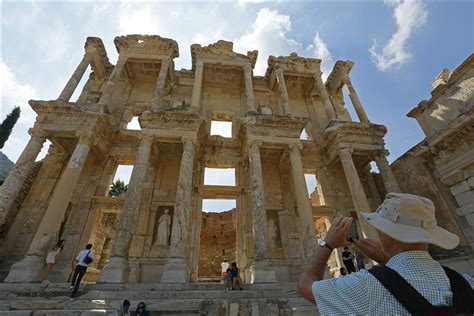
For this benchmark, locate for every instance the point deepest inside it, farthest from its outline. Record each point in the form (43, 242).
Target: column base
(61, 272)
(175, 271)
(116, 271)
(29, 270)
(262, 273)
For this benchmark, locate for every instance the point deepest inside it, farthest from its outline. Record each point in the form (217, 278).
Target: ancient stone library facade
(153, 233)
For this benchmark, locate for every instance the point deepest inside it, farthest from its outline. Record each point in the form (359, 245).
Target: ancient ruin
(152, 233)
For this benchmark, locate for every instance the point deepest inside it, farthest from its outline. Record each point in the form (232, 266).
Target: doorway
(218, 238)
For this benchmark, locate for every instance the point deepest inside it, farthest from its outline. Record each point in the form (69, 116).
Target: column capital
(254, 145)
(189, 140)
(247, 67)
(85, 137)
(147, 137)
(345, 153)
(38, 134)
(379, 153)
(199, 64)
(295, 146)
(279, 71)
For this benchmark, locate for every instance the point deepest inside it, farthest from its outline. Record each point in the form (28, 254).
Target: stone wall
(218, 242)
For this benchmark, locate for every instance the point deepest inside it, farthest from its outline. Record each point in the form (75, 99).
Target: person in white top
(224, 266)
(51, 258)
(84, 258)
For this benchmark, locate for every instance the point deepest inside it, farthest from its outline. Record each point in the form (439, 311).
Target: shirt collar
(413, 255)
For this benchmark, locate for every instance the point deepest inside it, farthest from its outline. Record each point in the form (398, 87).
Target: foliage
(7, 125)
(118, 188)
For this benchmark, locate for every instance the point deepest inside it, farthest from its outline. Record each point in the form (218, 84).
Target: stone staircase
(161, 299)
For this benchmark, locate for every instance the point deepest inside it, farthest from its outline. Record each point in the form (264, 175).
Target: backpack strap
(406, 294)
(463, 294)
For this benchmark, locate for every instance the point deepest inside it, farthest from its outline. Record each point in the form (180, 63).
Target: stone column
(196, 96)
(249, 99)
(118, 269)
(76, 77)
(112, 82)
(29, 269)
(285, 101)
(328, 107)
(305, 211)
(160, 82)
(176, 269)
(355, 100)
(15, 180)
(357, 191)
(388, 178)
(262, 272)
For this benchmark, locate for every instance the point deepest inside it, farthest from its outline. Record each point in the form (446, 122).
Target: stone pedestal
(259, 218)
(355, 100)
(388, 178)
(176, 269)
(285, 101)
(118, 270)
(76, 77)
(51, 222)
(249, 99)
(357, 191)
(15, 180)
(196, 96)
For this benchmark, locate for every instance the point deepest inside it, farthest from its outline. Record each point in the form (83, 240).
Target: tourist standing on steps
(224, 267)
(141, 310)
(407, 282)
(236, 279)
(83, 259)
(51, 258)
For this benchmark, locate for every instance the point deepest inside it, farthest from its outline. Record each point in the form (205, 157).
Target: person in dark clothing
(236, 279)
(83, 259)
(141, 310)
(347, 259)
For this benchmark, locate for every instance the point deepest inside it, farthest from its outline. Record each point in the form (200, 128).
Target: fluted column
(16, 178)
(263, 274)
(160, 82)
(76, 77)
(118, 268)
(176, 269)
(327, 104)
(285, 101)
(388, 178)
(112, 82)
(29, 268)
(359, 108)
(305, 211)
(359, 198)
(249, 99)
(196, 96)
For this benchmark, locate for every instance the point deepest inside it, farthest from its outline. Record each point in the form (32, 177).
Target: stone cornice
(340, 69)
(181, 120)
(147, 43)
(293, 64)
(221, 49)
(100, 64)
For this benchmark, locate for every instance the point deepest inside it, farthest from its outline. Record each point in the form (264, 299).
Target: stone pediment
(221, 50)
(293, 63)
(147, 44)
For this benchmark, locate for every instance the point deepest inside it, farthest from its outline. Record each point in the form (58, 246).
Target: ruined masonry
(147, 242)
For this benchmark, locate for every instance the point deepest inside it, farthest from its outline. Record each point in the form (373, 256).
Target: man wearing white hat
(408, 282)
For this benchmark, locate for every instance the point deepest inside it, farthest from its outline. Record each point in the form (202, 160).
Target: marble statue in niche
(164, 229)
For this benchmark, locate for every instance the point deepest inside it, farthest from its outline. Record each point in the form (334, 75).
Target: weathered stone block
(465, 198)
(460, 188)
(466, 209)
(470, 182)
(470, 219)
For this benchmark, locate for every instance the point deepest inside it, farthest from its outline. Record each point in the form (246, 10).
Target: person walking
(83, 259)
(51, 258)
(408, 280)
(348, 259)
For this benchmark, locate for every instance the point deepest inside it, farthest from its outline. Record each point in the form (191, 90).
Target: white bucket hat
(410, 218)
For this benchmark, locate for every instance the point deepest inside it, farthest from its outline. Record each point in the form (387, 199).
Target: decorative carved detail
(153, 43)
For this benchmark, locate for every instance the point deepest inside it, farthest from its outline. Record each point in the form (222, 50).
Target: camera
(352, 232)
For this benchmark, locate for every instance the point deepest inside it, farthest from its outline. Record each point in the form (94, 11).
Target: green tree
(117, 188)
(7, 125)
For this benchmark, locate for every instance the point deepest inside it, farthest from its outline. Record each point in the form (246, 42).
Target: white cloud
(409, 15)
(15, 93)
(269, 35)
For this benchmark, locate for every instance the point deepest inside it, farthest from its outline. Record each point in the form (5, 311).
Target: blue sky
(398, 47)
